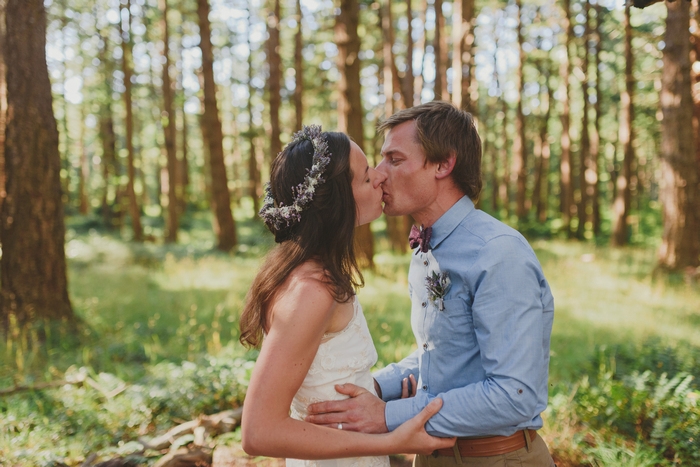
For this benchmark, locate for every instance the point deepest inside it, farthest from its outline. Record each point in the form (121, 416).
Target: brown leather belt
(489, 446)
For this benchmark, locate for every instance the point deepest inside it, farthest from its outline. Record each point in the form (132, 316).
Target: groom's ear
(444, 168)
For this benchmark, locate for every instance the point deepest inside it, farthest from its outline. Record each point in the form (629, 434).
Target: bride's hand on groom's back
(362, 411)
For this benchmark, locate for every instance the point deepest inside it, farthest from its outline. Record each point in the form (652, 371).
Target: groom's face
(410, 186)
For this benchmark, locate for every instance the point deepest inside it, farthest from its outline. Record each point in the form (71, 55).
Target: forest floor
(159, 344)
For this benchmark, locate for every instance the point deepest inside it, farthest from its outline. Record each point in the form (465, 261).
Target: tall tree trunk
(408, 82)
(299, 71)
(183, 174)
(567, 192)
(505, 149)
(350, 114)
(584, 154)
(396, 225)
(419, 82)
(462, 56)
(3, 101)
(134, 210)
(392, 85)
(169, 130)
(494, 168)
(275, 76)
(84, 173)
(255, 189)
(64, 134)
(695, 76)
(33, 282)
(540, 192)
(595, 133)
(680, 245)
(623, 195)
(224, 225)
(440, 50)
(111, 213)
(458, 29)
(519, 146)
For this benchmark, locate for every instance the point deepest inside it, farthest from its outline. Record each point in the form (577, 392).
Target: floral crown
(277, 214)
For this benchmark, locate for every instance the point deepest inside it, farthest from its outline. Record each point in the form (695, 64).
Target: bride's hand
(408, 387)
(412, 436)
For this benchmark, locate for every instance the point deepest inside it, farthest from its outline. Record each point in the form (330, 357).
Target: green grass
(152, 311)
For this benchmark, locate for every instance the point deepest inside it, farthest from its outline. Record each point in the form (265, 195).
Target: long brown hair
(324, 233)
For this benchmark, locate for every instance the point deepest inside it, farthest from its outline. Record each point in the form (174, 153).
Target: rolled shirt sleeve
(487, 355)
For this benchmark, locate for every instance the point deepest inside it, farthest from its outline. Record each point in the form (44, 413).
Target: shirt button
(425, 346)
(425, 263)
(423, 304)
(425, 388)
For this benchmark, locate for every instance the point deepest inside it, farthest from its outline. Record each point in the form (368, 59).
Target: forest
(136, 137)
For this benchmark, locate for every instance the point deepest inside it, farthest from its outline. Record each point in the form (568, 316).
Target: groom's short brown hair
(442, 129)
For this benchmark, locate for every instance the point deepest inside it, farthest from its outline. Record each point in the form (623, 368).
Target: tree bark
(440, 50)
(134, 210)
(519, 146)
(183, 174)
(566, 190)
(299, 71)
(419, 83)
(3, 101)
(623, 195)
(169, 130)
(224, 225)
(84, 173)
(408, 82)
(396, 226)
(540, 193)
(695, 76)
(584, 153)
(595, 130)
(32, 232)
(680, 245)
(275, 76)
(350, 114)
(255, 188)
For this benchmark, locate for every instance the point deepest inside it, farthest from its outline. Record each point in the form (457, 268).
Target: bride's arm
(299, 317)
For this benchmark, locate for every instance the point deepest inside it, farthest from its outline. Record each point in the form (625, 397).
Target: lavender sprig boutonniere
(438, 283)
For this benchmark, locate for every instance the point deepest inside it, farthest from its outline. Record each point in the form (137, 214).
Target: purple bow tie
(420, 237)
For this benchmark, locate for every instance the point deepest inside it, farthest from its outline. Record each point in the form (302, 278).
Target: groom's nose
(379, 178)
(381, 168)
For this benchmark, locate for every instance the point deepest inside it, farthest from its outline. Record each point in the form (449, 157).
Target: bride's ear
(444, 168)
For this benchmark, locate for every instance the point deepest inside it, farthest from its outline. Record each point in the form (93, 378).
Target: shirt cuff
(399, 411)
(389, 380)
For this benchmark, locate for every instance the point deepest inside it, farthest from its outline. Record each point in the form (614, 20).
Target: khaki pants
(537, 456)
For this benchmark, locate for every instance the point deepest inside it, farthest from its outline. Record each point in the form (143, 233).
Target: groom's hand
(363, 411)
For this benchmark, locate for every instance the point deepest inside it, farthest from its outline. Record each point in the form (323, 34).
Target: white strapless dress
(343, 357)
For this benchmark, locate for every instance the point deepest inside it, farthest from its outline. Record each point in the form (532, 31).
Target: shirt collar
(450, 220)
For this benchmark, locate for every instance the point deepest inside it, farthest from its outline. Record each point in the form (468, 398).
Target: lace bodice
(343, 357)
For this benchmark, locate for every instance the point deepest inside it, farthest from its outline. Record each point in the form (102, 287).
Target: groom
(481, 309)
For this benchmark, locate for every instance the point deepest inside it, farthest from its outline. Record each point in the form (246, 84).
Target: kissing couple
(473, 391)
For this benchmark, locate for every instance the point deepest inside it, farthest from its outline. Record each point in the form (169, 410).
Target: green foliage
(642, 403)
(74, 420)
(158, 342)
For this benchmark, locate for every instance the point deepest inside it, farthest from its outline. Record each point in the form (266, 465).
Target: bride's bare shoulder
(306, 288)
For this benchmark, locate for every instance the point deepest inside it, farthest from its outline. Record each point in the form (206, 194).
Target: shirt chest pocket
(453, 327)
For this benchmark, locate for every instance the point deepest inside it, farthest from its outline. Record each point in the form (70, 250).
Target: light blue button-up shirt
(486, 353)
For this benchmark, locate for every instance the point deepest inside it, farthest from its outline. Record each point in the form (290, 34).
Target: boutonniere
(438, 283)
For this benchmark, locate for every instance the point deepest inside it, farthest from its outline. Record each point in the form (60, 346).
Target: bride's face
(366, 186)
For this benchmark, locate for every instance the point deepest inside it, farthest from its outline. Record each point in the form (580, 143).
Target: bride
(303, 313)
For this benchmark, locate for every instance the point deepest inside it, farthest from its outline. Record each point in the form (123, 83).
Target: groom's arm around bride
(481, 308)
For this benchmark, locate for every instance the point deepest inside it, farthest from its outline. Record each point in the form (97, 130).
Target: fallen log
(216, 424)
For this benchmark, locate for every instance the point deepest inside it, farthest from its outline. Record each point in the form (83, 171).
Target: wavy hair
(324, 233)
